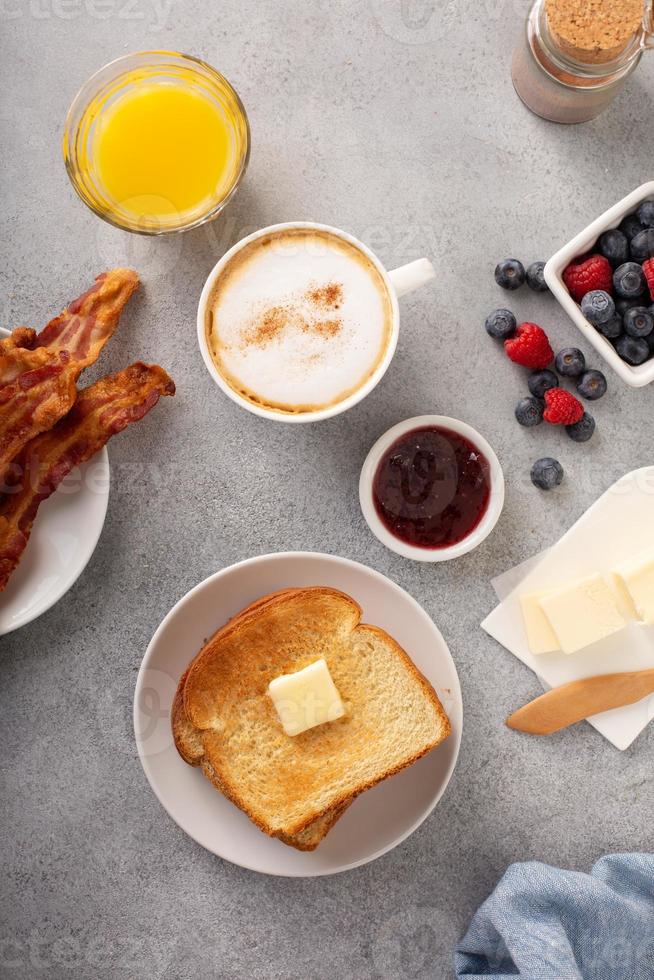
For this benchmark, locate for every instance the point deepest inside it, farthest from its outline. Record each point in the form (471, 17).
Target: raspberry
(648, 269)
(594, 272)
(529, 346)
(562, 407)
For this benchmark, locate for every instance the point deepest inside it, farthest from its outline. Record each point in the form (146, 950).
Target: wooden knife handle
(570, 703)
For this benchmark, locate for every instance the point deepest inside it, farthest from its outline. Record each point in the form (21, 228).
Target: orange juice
(163, 149)
(156, 141)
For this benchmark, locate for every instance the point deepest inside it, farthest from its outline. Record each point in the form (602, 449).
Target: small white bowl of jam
(431, 488)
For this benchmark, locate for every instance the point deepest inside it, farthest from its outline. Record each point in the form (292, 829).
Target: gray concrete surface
(397, 122)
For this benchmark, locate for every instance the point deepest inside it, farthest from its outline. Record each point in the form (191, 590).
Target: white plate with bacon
(54, 467)
(61, 544)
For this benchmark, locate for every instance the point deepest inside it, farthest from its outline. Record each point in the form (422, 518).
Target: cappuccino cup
(299, 321)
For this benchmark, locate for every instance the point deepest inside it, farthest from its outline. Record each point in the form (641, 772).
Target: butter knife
(570, 703)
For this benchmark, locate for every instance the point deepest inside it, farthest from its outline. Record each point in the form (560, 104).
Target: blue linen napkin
(544, 923)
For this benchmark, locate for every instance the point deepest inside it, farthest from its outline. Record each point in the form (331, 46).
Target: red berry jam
(432, 487)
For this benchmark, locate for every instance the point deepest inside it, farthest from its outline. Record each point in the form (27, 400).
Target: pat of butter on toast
(306, 698)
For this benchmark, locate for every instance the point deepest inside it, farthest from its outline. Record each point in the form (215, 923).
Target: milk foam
(299, 320)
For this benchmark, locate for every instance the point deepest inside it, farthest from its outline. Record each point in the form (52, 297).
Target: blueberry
(546, 473)
(582, 430)
(598, 307)
(541, 381)
(642, 245)
(570, 362)
(632, 350)
(630, 226)
(638, 322)
(622, 305)
(510, 274)
(646, 214)
(535, 277)
(614, 246)
(629, 280)
(592, 385)
(529, 411)
(500, 324)
(612, 328)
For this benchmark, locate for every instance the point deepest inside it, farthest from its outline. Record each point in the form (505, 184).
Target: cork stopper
(593, 31)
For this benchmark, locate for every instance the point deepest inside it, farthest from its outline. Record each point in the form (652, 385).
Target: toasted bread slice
(225, 721)
(191, 750)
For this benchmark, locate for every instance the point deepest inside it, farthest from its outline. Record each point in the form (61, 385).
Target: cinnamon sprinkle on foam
(328, 328)
(268, 326)
(330, 295)
(304, 314)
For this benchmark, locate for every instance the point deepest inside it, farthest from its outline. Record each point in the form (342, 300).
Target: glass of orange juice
(156, 142)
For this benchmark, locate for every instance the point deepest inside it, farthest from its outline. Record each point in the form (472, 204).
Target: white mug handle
(411, 276)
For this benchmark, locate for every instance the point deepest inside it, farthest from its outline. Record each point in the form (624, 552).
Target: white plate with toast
(61, 544)
(379, 818)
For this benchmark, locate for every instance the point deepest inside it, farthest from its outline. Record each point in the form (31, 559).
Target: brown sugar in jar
(576, 55)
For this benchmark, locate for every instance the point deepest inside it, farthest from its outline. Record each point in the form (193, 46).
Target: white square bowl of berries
(604, 280)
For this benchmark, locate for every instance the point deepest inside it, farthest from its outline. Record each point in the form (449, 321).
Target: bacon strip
(38, 374)
(82, 329)
(17, 354)
(101, 410)
(86, 325)
(33, 402)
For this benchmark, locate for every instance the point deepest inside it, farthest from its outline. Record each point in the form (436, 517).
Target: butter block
(634, 580)
(582, 613)
(540, 635)
(306, 698)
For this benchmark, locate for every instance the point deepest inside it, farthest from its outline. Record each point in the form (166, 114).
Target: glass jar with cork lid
(576, 55)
